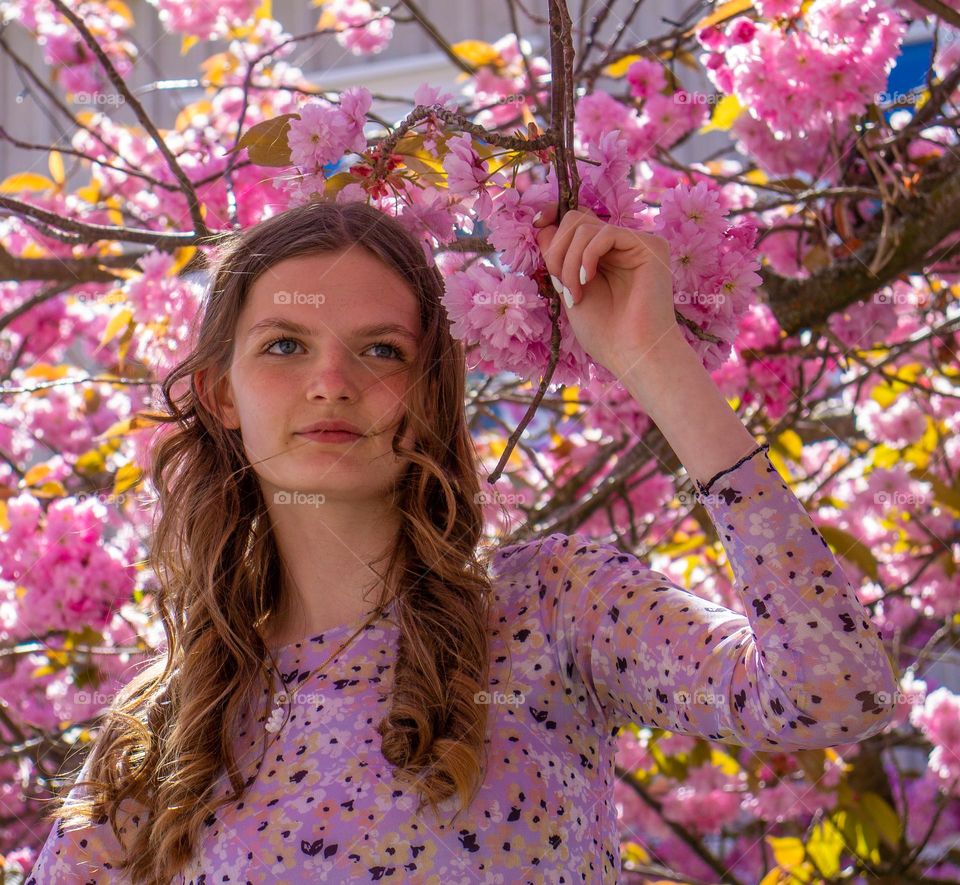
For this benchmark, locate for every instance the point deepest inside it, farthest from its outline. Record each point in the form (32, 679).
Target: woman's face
(305, 351)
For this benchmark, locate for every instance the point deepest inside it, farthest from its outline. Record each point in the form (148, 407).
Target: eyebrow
(363, 332)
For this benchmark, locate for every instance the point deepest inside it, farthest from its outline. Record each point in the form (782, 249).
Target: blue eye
(277, 341)
(397, 351)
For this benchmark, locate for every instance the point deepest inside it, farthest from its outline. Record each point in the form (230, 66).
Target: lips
(332, 436)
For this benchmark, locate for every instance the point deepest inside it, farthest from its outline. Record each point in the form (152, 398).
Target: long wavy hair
(166, 740)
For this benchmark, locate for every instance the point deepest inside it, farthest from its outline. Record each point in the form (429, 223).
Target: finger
(591, 253)
(553, 255)
(545, 215)
(583, 238)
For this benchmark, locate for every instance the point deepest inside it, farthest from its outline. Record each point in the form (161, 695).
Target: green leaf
(883, 816)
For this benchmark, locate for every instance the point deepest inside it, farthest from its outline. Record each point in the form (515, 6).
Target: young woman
(340, 656)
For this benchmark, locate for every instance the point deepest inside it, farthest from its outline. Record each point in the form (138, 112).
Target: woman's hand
(623, 297)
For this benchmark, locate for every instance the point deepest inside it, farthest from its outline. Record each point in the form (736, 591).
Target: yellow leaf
(790, 444)
(137, 421)
(216, 67)
(90, 193)
(824, 847)
(884, 456)
(774, 877)
(620, 67)
(121, 8)
(181, 258)
(571, 396)
(725, 762)
(4, 517)
(55, 164)
(336, 183)
(845, 545)
(113, 212)
(724, 114)
(721, 14)
(266, 141)
(756, 176)
(52, 489)
(263, 11)
(26, 181)
(188, 42)
(634, 853)
(36, 474)
(118, 322)
(47, 371)
(127, 477)
(90, 462)
(193, 110)
(478, 53)
(787, 850)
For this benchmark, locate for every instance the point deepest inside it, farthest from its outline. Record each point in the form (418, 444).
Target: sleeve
(804, 669)
(86, 856)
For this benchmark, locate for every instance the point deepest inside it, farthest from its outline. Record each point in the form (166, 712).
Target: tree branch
(925, 220)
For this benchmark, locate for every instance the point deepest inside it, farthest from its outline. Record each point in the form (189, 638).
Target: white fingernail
(583, 275)
(567, 297)
(556, 283)
(537, 217)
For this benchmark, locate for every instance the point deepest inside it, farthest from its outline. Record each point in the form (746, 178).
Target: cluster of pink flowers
(207, 21)
(501, 312)
(56, 571)
(798, 81)
(322, 134)
(75, 67)
(360, 28)
(714, 264)
(939, 720)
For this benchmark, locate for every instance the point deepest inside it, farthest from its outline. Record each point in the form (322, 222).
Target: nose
(335, 375)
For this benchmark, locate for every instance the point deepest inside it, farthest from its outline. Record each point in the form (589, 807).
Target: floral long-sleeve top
(585, 638)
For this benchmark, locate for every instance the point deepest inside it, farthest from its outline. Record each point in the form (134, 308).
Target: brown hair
(166, 739)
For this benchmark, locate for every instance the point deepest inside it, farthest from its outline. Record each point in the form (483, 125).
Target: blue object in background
(909, 72)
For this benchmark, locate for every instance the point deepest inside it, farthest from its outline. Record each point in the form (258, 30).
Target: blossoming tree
(815, 269)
